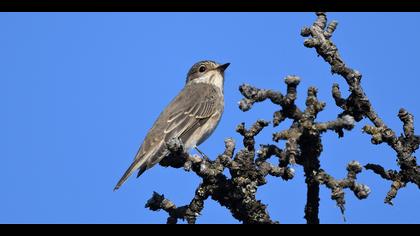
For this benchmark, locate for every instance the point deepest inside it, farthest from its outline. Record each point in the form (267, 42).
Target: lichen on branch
(358, 105)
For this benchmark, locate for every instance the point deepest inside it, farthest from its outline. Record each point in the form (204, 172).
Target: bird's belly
(206, 130)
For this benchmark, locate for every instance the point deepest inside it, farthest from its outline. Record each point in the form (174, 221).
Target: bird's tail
(140, 164)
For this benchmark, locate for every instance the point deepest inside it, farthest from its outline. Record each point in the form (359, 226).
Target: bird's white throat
(212, 77)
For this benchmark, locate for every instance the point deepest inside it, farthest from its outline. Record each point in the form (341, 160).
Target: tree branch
(359, 106)
(237, 193)
(249, 168)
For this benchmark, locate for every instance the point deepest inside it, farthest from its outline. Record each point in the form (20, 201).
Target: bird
(191, 117)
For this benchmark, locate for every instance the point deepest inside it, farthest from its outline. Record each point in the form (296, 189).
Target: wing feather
(199, 104)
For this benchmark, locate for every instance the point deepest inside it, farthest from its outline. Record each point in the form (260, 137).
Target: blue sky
(80, 90)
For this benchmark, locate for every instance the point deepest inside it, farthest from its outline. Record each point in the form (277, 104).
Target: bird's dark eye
(202, 69)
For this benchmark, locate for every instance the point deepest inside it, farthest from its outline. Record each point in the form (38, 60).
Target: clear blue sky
(78, 92)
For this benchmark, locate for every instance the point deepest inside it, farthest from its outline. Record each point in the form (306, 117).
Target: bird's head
(207, 72)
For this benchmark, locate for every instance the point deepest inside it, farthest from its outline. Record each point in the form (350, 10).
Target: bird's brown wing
(193, 106)
(200, 104)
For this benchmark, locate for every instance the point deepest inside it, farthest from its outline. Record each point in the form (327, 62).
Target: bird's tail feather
(137, 164)
(142, 162)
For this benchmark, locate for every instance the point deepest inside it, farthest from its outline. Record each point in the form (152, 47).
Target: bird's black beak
(223, 67)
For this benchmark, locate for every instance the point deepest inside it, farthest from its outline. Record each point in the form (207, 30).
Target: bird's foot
(202, 154)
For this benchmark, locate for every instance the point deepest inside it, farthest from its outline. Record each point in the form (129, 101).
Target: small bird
(192, 116)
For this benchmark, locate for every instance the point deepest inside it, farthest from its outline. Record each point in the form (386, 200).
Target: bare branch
(337, 187)
(237, 193)
(359, 106)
